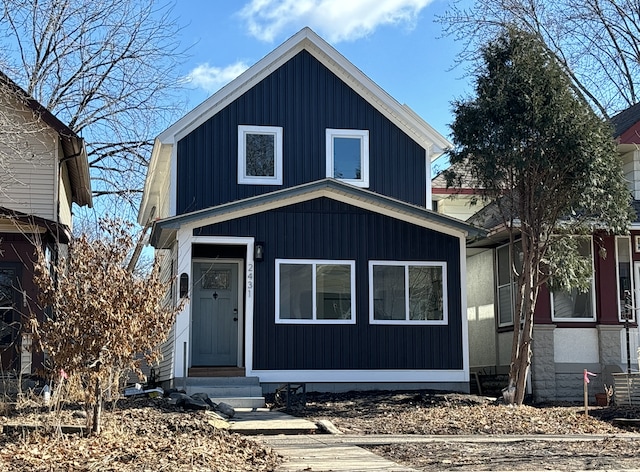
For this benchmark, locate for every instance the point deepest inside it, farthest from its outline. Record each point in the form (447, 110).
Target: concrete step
(226, 390)
(216, 381)
(240, 402)
(239, 392)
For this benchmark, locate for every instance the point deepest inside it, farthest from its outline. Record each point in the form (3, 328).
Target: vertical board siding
(304, 98)
(326, 229)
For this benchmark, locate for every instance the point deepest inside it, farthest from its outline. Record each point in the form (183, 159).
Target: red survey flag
(586, 376)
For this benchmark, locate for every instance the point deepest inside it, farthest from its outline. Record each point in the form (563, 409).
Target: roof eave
(323, 188)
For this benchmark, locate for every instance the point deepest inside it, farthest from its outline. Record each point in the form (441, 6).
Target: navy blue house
(292, 208)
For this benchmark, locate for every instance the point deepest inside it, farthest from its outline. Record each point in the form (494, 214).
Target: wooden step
(217, 372)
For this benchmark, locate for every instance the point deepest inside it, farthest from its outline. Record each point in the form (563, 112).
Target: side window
(321, 292)
(507, 282)
(260, 155)
(348, 156)
(9, 326)
(575, 305)
(625, 277)
(407, 292)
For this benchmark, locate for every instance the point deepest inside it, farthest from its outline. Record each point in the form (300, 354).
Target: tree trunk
(97, 409)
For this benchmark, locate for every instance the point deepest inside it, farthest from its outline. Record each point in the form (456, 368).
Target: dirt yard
(149, 434)
(454, 414)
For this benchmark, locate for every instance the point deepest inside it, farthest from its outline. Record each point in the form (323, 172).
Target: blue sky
(396, 43)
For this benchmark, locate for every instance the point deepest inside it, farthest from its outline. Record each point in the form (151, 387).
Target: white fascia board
(337, 196)
(159, 166)
(440, 143)
(398, 114)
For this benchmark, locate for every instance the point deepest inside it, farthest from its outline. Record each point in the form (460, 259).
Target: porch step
(240, 402)
(239, 392)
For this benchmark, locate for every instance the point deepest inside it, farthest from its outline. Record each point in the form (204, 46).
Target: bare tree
(101, 313)
(107, 68)
(597, 42)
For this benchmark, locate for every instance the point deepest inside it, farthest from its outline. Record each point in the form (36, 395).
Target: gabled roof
(73, 146)
(401, 115)
(164, 231)
(624, 120)
(439, 186)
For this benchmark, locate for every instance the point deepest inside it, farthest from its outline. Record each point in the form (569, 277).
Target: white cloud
(211, 78)
(335, 20)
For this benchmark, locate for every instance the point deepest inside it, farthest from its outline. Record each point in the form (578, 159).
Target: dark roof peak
(625, 119)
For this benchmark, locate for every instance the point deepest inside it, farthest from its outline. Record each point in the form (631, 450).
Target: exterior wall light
(258, 251)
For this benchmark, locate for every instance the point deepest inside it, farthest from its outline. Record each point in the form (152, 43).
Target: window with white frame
(575, 305)
(407, 292)
(8, 328)
(260, 155)
(625, 277)
(348, 156)
(507, 281)
(313, 291)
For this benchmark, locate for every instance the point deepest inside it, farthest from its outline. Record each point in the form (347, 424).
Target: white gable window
(260, 155)
(312, 291)
(348, 156)
(407, 292)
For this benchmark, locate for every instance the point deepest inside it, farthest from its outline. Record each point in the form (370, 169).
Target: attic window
(348, 156)
(260, 155)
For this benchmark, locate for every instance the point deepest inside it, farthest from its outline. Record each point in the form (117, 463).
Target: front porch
(223, 386)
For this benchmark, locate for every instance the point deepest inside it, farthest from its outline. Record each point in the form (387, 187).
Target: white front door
(215, 317)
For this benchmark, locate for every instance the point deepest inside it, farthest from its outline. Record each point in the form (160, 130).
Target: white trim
(593, 296)
(406, 265)
(185, 264)
(631, 276)
(429, 186)
(314, 263)
(636, 276)
(306, 39)
(463, 306)
(276, 132)
(363, 137)
(340, 197)
(373, 375)
(173, 186)
(511, 284)
(400, 115)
